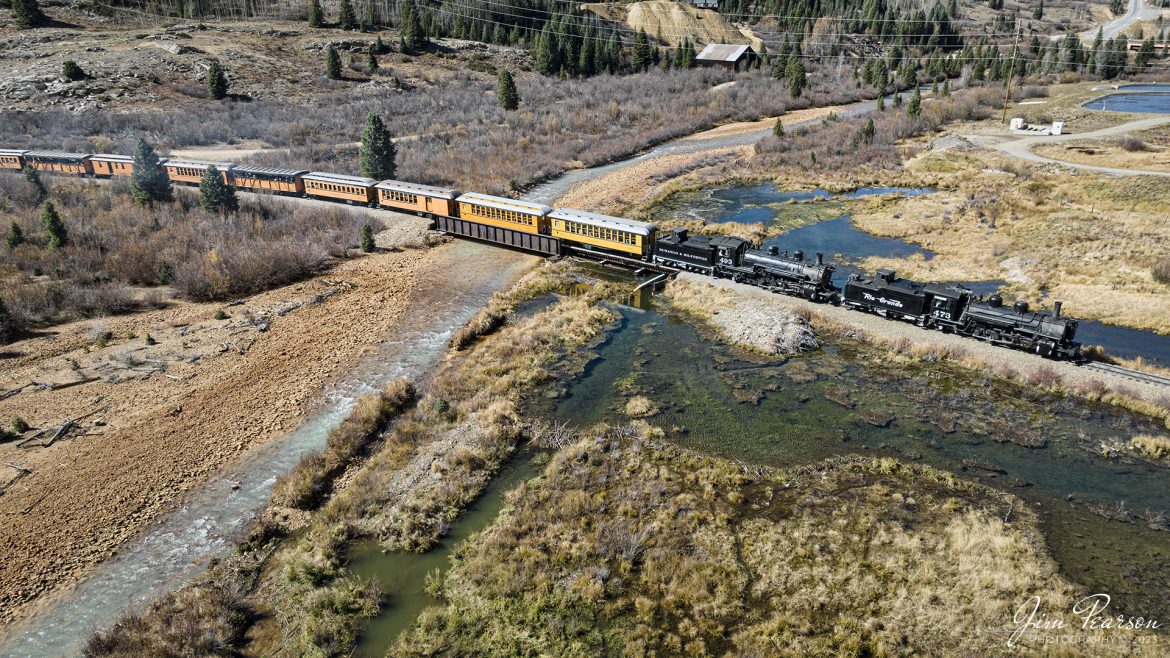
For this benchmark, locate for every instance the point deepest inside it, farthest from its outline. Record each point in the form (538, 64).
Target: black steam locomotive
(729, 257)
(952, 307)
(947, 307)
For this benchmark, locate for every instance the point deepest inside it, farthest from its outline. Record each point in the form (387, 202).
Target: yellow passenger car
(596, 231)
(112, 165)
(412, 197)
(60, 162)
(505, 213)
(190, 172)
(265, 179)
(335, 187)
(11, 159)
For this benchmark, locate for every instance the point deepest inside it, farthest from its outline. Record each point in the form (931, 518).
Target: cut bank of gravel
(241, 381)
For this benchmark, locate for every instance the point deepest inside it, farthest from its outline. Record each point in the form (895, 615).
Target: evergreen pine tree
(641, 56)
(411, 35)
(58, 236)
(946, 88)
(506, 91)
(346, 19)
(796, 77)
(315, 19)
(148, 183)
(881, 101)
(1039, 13)
(215, 195)
(868, 131)
(27, 13)
(71, 70)
(372, 58)
(546, 56)
(368, 17)
(15, 236)
(915, 107)
(217, 82)
(377, 151)
(332, 63)
(778, 129)
(367, 238)
(34, 178)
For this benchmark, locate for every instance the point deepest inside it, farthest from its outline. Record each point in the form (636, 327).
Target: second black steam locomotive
(947, 307)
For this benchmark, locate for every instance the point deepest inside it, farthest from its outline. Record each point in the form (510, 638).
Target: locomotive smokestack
(820, 258)
(1056, 310)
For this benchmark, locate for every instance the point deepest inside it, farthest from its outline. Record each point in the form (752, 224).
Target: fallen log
(7, 394)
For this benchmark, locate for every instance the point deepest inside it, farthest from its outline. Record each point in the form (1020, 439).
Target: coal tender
(729, 257)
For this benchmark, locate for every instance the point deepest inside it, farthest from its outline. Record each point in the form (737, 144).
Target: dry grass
(1092, 243)
(629, 545)
(1154, 447)
(310, 480)
(641, 407)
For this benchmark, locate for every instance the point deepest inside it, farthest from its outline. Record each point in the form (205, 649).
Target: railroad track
(1135, 375)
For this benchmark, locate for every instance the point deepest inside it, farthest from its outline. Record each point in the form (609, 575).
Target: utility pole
(1007, 93)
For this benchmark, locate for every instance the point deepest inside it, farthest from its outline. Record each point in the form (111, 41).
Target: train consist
(946, 307)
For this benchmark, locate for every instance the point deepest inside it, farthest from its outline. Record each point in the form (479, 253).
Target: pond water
(403, 575)
(1147, 86)
(786, 412)
(1154, 103)
(844, 245)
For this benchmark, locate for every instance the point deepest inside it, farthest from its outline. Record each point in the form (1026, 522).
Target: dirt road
(1021, 147)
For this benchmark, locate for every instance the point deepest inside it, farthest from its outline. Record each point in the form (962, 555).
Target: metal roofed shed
(729, 55)
(504, 203)
(416, 188)
(597, 219)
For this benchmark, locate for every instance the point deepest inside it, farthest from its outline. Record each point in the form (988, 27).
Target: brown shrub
(1133, 144)
(1044, 377)
(310, 480)
(1161, 271)
(199, 621)
(485, 322)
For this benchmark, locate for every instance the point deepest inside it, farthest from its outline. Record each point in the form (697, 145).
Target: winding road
(1138, 11)
(1021, 147)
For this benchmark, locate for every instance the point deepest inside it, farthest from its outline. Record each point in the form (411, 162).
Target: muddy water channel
(841, 400)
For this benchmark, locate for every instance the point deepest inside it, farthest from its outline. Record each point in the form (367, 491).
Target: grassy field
(1092, 242)
(627, 546)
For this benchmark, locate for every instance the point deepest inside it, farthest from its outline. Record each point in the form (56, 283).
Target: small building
(728, 55)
